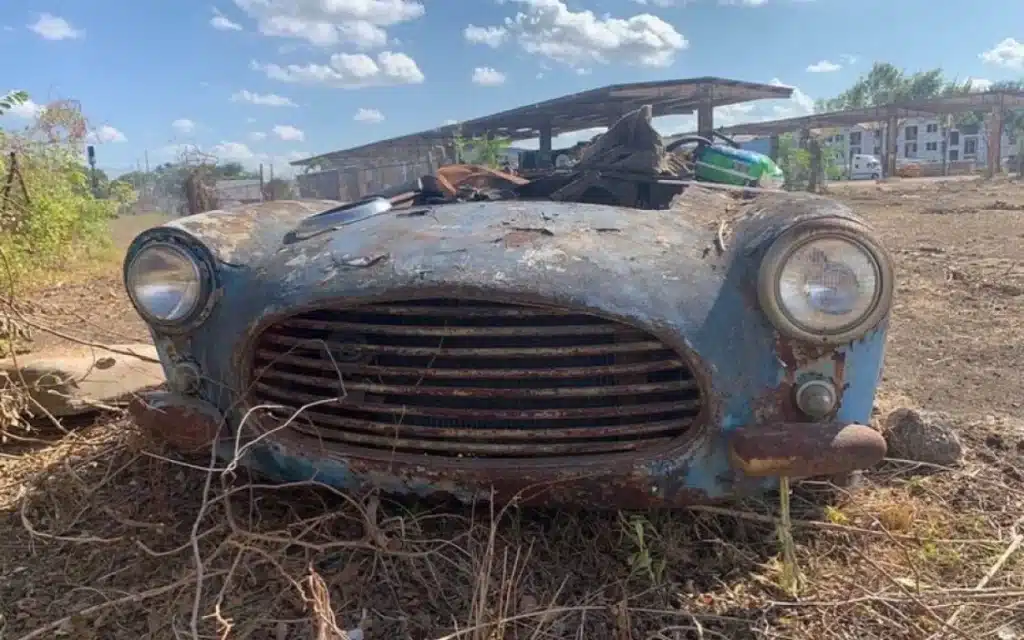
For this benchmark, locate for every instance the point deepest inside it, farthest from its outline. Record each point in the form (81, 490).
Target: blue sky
(274, 80)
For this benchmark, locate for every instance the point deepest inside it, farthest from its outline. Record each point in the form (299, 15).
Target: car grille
(474, 379)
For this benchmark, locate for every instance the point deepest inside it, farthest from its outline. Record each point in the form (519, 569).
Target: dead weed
(105, 537)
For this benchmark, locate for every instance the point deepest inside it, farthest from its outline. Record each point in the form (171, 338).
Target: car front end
(548, 352)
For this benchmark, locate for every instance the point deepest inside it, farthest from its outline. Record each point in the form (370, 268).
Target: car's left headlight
(166, 283)
(825, 282)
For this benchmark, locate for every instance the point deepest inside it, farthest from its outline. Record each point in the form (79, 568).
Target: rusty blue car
(555, 352)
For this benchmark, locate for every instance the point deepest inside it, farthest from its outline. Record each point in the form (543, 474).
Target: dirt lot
(102, 536)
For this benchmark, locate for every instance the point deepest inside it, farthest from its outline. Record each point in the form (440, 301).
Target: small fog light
(816, 398)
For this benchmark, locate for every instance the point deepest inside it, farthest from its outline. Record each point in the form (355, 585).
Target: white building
(920, 139)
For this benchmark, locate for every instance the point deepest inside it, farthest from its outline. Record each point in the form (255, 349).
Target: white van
(865, 167)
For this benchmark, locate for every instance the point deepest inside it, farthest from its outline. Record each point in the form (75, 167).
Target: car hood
(256, 235)
(559, 252)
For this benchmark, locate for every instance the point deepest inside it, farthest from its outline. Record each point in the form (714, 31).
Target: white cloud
(798, 104)
(27, 110)
(52, 27)
(105, 134)
(233, 152)
(369, 116)
(658, 3)
(1009, 53)
(288, 132)
(222, 23)
(349, 71)
(848, 58)
(488, 77)
(329, 23)
(184, 125)
(491, 36)
(745, 3)
(262, 99)
(549, 29)
(257, 136)
(824, 66)
(980, 84)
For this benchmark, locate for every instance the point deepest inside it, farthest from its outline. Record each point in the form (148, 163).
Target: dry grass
(106, 536)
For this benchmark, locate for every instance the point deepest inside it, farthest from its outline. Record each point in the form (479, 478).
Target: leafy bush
(49, 215)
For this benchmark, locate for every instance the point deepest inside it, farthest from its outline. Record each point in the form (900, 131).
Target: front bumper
(758, 451)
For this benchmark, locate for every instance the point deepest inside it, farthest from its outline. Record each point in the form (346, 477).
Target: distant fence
(354, 182)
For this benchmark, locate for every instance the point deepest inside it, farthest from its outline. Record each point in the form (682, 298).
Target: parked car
(865, 167)
(546, 351)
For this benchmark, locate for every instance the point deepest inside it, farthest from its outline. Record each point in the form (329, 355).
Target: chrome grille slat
(485, 332)
(274, 395)
(478, 352)
(489, 449)
(317, 414)
(488, 391)
(318, 364)
(446, 377)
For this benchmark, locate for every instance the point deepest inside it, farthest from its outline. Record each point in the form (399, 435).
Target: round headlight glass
(828, 284)
(165, 283)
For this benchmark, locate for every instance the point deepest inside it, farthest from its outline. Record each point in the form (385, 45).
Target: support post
(816, 181)
(891, 135)
(706, 112)
(544, 156)
(545, 139)
(995, 143)
(945, 144)
(773, 147)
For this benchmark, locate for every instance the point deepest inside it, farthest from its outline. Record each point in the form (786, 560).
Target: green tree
(56, 216)
(489, 151)
(12, 99)
(886, 83)
(233, 171)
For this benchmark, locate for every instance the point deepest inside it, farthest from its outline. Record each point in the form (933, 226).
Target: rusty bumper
(801, 450)
(184, 423)
(790, 449)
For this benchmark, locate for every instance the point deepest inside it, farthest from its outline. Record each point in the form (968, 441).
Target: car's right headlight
(825, 282)
(165, 283)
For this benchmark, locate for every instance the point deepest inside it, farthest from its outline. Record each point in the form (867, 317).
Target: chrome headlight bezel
(202, 269)
(788, 243)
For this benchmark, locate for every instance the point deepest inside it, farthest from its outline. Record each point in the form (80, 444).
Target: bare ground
(103, 536)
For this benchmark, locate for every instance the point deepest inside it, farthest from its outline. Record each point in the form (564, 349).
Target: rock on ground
(73, 381)
(922, 436)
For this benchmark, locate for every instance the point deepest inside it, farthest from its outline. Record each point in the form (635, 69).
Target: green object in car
(741, 167)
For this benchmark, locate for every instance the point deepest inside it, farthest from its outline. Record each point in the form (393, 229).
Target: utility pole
(263, 191)
(146, 152)
(91, 152)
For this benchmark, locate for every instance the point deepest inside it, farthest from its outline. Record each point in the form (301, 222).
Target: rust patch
(229, 233)
(523, 236)
(186, 424)
(805, 449)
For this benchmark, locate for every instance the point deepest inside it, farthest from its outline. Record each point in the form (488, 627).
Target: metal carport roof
(594, 108)
(1004, 99)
